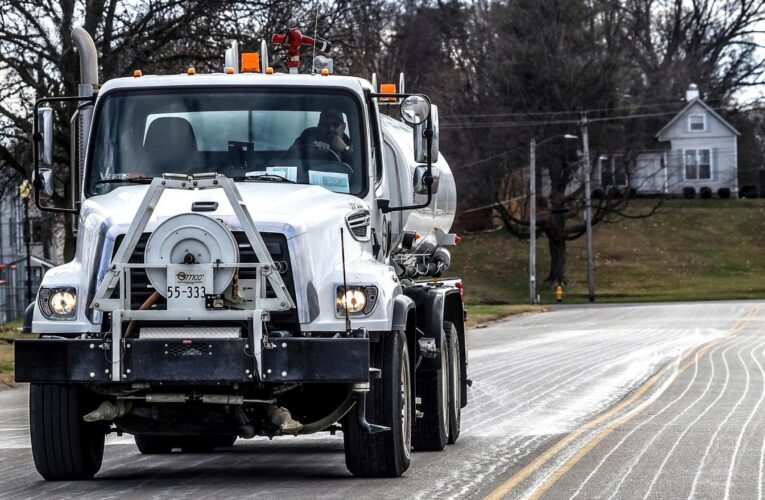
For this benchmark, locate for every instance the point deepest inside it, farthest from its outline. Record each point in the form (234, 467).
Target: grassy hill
(691, 250)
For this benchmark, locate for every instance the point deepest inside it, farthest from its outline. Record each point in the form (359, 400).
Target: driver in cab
(327, 140)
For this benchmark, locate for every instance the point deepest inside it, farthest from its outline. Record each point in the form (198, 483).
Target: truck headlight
(357, 300)
(58, 303)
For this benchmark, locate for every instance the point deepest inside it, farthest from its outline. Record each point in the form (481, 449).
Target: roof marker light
(229, 70)
(325, 72)
(250, 62)
(137, 73)
(388, 88)
(191, 71)
(269, 70)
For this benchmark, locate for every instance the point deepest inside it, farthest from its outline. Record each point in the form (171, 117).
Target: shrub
(597, 194)
(615, 192)
(723, 193)
(705, 192)
(748, 192)
(689, 192)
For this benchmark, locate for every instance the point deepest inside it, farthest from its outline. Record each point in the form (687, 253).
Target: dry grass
(693, 250)
(8, 331)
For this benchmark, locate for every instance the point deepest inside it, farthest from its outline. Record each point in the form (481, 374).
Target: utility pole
(533, 221)
(588, 208)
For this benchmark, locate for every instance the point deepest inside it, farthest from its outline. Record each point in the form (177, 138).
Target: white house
(699, 149)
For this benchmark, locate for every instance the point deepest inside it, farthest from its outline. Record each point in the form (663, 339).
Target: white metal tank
(436, 217)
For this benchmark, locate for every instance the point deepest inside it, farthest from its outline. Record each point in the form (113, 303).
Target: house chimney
(692, 92)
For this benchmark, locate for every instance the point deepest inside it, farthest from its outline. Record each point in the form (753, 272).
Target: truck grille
(276, 244)
(359, 223)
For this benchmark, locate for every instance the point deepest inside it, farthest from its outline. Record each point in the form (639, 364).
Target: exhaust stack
(86, 49)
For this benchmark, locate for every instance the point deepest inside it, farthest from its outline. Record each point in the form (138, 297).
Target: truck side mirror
(419, 181)
(45, 146)
(421, 142)
(46, 176)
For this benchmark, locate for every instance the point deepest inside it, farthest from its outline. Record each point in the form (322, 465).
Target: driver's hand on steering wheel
(321, 146)
(337, 144)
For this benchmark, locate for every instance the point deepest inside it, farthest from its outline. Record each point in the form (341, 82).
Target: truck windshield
(261, 135)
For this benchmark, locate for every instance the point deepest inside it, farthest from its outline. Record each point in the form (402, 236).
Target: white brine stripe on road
(722, 424)
(537, 378)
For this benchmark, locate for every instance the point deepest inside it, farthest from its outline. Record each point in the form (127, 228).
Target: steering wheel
(337, 157)
(341, 162)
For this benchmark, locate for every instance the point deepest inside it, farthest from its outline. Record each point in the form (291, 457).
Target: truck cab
(257, 255)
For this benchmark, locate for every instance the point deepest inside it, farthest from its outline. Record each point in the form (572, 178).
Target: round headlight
(63, 303)
(353, 300)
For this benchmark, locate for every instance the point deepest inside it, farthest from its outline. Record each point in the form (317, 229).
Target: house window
(613, 171)
(697, 123)
(606, 176)
(37, 231)
(698, 164)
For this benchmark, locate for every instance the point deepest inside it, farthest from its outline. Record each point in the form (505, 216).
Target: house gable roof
(685, 110)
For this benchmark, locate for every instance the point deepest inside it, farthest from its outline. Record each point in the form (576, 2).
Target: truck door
(390, 188)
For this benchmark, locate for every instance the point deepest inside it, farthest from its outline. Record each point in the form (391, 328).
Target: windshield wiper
(263, 177)
(127, 180)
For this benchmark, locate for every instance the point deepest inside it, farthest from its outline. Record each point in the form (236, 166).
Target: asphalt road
(659, 401)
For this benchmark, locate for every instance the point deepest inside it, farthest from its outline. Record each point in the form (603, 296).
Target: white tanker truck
(257, 255)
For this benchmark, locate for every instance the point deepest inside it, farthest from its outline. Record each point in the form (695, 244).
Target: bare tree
(709, 42)
(37, 58)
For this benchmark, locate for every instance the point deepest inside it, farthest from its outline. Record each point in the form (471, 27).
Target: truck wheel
(389, 403)
(455, 382)
(199, 444)
(225, 441)
(64, 446)
(154, 445)
(431, 431)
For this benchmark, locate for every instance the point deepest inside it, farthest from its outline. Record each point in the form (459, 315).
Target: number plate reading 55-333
(187, 291)
(187, 285)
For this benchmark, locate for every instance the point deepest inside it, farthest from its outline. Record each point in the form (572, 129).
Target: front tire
(388, 403)
(64, 446)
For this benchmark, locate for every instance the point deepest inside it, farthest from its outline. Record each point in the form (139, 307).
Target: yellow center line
(689, 357)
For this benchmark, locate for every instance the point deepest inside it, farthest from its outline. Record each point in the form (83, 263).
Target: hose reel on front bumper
(188, 258)
(191, 239)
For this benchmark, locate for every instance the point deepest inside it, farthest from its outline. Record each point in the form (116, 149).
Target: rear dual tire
(440, 394)
(431, 431)
(455, 382)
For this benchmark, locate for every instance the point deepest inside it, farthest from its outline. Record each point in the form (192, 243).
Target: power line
(577, 112)
(510, 124)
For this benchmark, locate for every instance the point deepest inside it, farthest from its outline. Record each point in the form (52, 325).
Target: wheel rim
(406, 395)
(445, 383)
